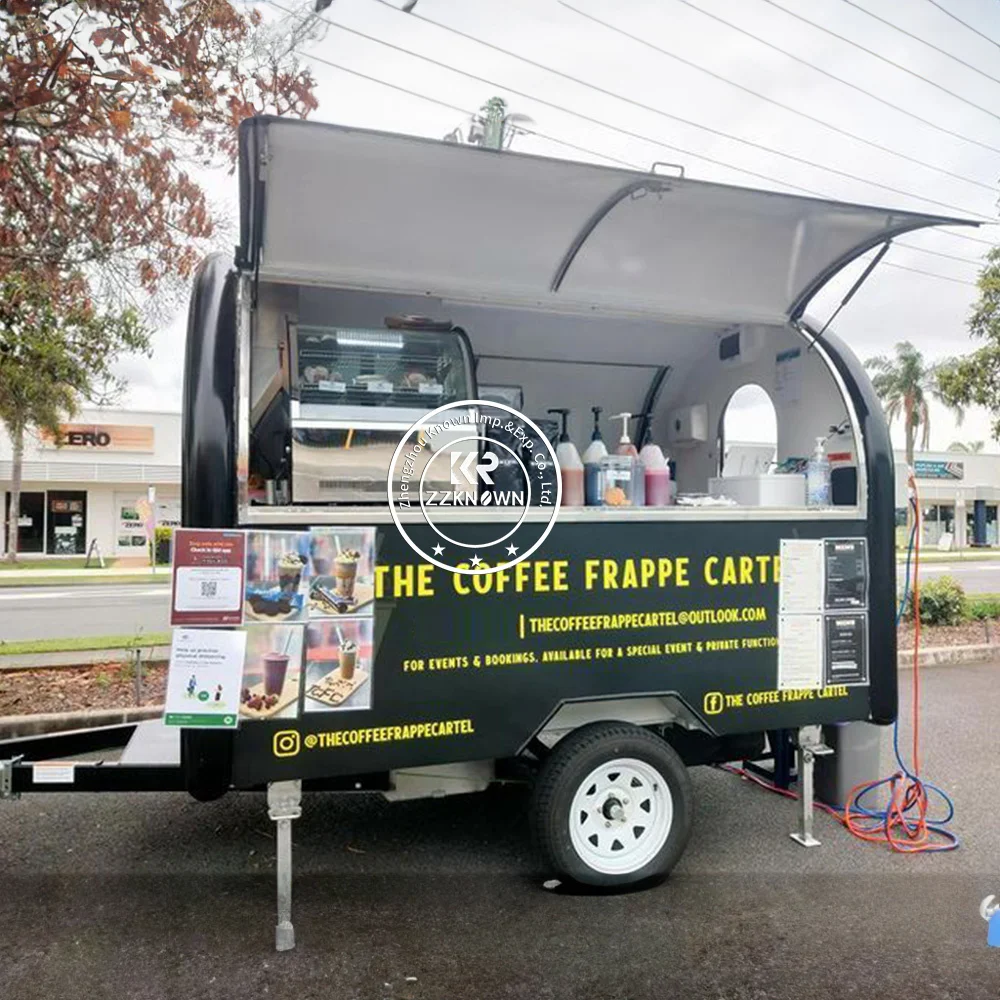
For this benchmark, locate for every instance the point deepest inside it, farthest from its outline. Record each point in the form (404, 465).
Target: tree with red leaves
(105, 107)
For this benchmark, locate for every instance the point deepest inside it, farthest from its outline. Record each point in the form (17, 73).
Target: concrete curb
(80, 658)
(16, 726)
(942, 656)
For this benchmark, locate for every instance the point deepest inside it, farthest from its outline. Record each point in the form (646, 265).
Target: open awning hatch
(361, 209)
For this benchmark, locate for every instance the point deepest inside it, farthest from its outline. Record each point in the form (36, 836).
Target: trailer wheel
(612, 806)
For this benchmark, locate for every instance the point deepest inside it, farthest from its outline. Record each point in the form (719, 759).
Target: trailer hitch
(7, 778)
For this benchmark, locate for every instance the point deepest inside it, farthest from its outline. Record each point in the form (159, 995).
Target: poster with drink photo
(338, 665)
(272, 672)
(277, 576)
(341, 572)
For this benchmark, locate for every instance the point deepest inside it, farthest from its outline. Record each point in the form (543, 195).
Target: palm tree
(904, 385)
(968, 447)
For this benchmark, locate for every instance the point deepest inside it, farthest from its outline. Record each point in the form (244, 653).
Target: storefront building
(95, 485)
(959, 496)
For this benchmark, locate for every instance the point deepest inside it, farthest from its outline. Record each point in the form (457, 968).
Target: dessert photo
(272, 671)
(341, 572)
(277, 570)
(338, 665)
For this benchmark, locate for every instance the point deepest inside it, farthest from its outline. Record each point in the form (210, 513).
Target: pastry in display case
(357, 391)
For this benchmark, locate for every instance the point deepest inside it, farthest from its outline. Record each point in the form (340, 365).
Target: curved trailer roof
(362, 209)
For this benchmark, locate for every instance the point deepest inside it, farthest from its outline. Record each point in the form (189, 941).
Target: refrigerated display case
(356, 391)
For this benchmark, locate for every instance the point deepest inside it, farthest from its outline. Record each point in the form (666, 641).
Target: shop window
(938, 521)
(31, 523)
(67, 522)
(748, 432)
(991, 524)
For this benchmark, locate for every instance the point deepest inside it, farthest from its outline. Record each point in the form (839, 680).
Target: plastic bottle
(570, 466)
(656, 474)
(625, 447)
(818, 476)
(595, 451)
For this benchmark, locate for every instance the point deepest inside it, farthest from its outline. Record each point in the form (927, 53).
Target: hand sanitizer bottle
(818, 477)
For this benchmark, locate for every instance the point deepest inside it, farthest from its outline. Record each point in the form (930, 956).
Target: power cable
(465, 111)
(636, 135)
(628, 100)
(588, 118)
(839, 79)
(770, 100)
(923, 41)
(939, 253)
(965, 24)
(885, 59)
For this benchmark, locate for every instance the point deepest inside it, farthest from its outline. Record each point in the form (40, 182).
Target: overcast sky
(894, 304)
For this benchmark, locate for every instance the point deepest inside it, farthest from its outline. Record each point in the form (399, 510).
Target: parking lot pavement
(136, 896)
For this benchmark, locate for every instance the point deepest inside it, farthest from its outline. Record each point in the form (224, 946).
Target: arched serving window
(748, 432)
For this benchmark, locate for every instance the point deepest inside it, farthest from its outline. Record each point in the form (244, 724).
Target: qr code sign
(209, 588)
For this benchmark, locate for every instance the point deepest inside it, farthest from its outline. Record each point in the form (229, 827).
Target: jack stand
(284, 803)
(810, 745)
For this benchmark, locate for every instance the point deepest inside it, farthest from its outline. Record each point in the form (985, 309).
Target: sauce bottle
(570, 466)
(656, 474)
(596, 450)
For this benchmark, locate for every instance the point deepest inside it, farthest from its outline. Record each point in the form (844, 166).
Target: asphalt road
(95, 609)
(157, 896)
(977, 577)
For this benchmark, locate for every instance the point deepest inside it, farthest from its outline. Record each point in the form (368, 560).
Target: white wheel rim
(621, 816)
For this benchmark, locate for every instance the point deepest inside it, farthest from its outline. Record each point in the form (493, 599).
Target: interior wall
(802, 414)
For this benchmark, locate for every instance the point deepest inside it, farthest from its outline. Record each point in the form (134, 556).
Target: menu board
(822, 625)
(846, 570)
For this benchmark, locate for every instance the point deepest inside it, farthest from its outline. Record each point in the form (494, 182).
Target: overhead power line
(840, 79)
(583, 149)
(466, 111)
(764, 97)
(885, 59)
(938, 253)
(642, 106)
(965, 24)
(592, 152)
(923, 41)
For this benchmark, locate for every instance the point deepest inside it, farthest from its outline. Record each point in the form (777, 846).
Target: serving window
(336, 377)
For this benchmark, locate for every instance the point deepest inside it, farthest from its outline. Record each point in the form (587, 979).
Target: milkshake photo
(342, 578)
(338, 670)
(272, 672)
(277, 568)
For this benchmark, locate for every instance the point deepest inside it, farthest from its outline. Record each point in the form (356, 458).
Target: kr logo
(463, 472)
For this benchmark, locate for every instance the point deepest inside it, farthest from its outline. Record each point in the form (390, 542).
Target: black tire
(576, 757)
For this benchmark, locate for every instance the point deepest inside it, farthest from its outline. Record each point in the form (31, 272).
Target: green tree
(974, 380)
(968, 447)
(55, 351)
(905, 384)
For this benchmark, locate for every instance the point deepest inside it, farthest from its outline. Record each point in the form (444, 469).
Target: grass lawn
(76, 563)
(72, 579)
(84, 643)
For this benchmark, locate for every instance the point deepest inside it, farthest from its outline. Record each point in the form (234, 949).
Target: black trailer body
(558, 284)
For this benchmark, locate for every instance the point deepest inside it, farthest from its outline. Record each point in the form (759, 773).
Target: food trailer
(382, 278)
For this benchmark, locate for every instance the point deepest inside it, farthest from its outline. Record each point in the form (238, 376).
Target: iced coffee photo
(277, 568)
(342, 571)
(272, 672)
(338, 665)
